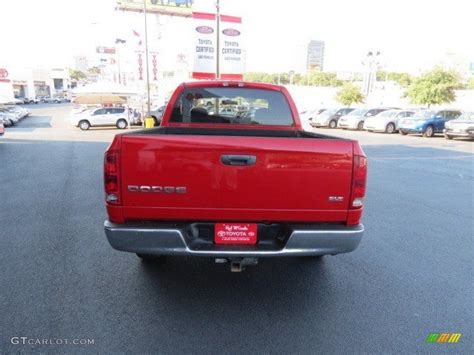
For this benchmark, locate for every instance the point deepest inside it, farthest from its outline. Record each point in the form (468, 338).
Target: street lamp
(372, 63)
(119, 41)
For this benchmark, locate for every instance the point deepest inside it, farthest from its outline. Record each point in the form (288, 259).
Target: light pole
(372, 63)
(117, 42)
(218, 45)
(146, 58)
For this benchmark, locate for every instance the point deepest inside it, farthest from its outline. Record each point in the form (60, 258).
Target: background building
(26, 82)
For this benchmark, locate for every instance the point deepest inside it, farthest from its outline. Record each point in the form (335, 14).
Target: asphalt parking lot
(412, 274)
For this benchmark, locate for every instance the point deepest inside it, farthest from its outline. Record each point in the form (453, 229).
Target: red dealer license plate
(235, 233)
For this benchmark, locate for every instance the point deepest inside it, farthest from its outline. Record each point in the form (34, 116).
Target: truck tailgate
(281, 179)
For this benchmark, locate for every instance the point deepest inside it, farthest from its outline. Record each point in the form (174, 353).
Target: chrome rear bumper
(150, 239)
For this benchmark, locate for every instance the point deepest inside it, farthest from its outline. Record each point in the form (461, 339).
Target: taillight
(111, 177)
(359, 181)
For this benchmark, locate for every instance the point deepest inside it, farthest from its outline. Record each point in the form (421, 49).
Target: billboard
(315, 56)
(205, 56)
(182, 8)
(105, 50)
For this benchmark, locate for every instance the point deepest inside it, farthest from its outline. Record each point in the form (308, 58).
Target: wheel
(429, 132)
(447, 136)
(332, 124)
(84, 125)
(390, 128)
(403, 133)
(189, 3)
(147, 258)
(122, 124)
(165, 2)
(360, 126)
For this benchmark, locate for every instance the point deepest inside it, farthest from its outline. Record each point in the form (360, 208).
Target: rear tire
(360, 126)
(84, 125)
(390, 128)
(447, 136)
(403, 133)
(121, 124)
(429, 132)
(332, 124)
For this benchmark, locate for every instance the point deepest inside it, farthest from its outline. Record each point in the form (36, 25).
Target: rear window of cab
(232, 106)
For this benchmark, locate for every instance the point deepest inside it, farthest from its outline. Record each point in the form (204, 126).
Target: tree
(77, 75)
(94, 70)
(470, 84)
(314, 79)
(434, 88)
(350, 94)
(402, 79)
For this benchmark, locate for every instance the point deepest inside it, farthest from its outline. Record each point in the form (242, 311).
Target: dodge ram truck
(233, 187)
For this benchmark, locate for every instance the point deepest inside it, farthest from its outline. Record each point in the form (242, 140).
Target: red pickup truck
(230, 174)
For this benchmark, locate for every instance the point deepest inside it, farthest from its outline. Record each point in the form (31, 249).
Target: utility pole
(146, 58)
(218, 45)
(119, 41)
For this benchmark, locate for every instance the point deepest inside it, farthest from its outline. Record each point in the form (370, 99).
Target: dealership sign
(4, 75)
(205, 56)
(105, 50)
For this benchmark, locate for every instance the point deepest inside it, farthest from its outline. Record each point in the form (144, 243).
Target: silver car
(463, 126)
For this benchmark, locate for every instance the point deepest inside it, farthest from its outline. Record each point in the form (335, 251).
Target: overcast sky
(411, 34)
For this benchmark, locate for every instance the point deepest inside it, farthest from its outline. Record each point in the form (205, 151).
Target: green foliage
(470, 84)
(314, 79)
(434, 88)
(77, 75)
(94, 70)
(402, 79)
(322, 79)
(350, 94)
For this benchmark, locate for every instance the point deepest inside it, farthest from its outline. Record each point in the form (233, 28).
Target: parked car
(2, 128)
(330, 117)
(27, 100)
(101, 117)
(14, 117)
(5, 120)
(427, 122)
(52, 100)
(386, 121)
(167, 177)
(157, 115)
(308, 115)
(355, 119)
(463, 126)
(20, 112)
(18, 101)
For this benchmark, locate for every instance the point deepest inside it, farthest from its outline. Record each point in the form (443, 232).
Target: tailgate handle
(238, 160)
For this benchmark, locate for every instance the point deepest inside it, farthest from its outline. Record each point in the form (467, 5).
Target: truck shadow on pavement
(270, 284)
